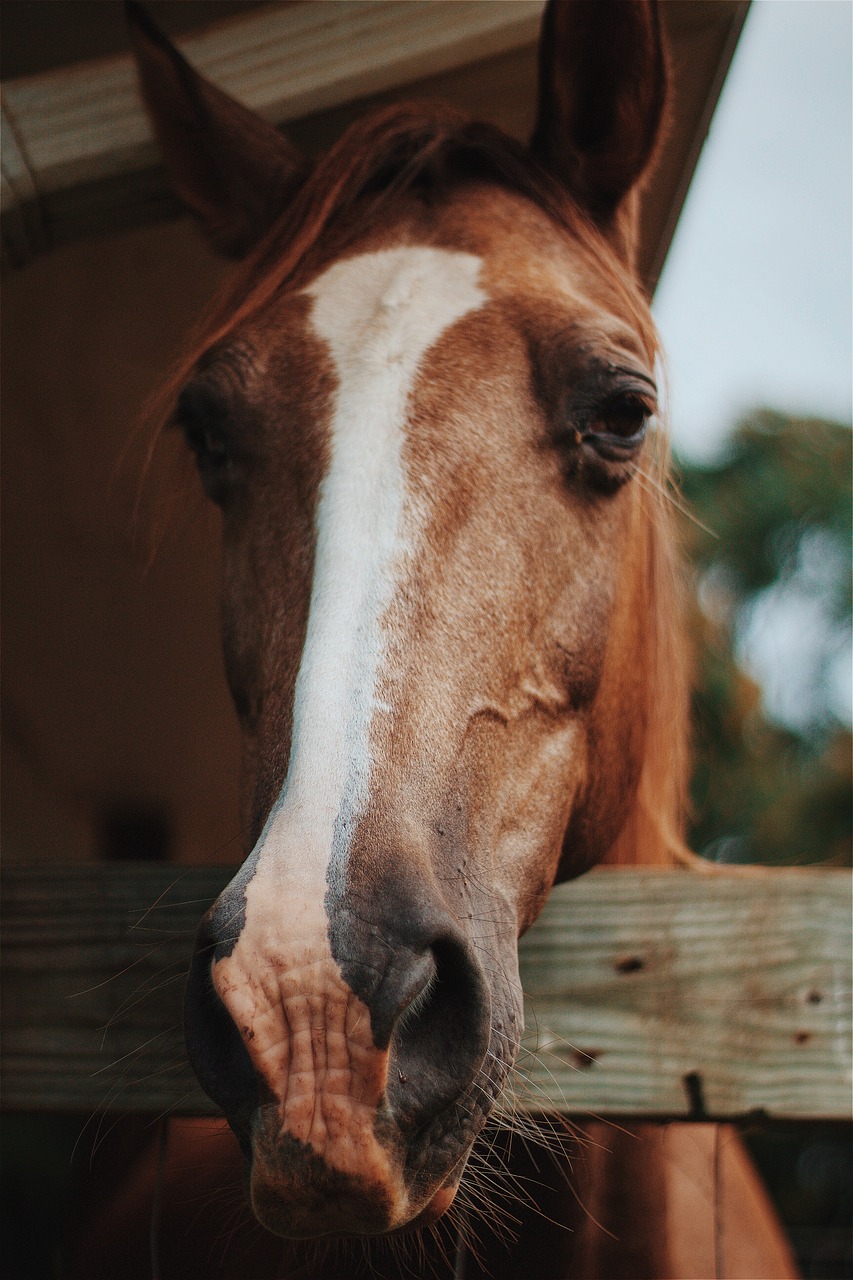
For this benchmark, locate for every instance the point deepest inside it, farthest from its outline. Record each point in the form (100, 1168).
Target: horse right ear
(602, 91)
(233, 170)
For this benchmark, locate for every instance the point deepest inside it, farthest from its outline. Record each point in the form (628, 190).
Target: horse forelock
(425, 146)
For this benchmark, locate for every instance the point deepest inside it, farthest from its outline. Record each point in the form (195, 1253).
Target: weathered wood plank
(84, 126)
(664, 993)
(649, 992)
(94, 959)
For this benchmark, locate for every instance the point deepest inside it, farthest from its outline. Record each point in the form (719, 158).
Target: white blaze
(379, 313)
(305, 1031)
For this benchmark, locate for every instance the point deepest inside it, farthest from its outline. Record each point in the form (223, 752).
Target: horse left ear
(602, 89)
(231, 168)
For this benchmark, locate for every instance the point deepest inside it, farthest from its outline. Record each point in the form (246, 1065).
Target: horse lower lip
(334, 1211)
(295, 1194)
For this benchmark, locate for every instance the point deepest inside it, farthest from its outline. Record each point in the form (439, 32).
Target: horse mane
(429, 148)
(654, 831)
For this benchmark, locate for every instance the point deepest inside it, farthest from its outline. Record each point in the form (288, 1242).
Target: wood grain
(78, 136)
(649, 993)
(666, 993)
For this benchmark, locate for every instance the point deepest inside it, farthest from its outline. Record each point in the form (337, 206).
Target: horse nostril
(441, 1038)
(214, 1044)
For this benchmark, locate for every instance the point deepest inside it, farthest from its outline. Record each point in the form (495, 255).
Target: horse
(426, 405)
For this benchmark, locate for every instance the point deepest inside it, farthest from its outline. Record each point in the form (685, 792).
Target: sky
(755, 302)
(754, 305)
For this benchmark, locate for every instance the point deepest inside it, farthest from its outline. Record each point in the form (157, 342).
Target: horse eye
(205, 417)
(618, 427)
(207, 445)
(206, 434)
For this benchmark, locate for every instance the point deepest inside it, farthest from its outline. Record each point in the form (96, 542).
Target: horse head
(423, 407)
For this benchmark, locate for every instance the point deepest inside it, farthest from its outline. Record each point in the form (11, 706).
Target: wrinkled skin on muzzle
(355, 1110)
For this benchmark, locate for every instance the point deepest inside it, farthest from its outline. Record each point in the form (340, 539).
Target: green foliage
(774, 526)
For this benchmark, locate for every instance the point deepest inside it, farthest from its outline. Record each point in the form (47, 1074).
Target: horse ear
(231, 168)
(602, 88)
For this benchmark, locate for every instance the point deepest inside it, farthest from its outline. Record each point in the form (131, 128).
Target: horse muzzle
(352, 1061)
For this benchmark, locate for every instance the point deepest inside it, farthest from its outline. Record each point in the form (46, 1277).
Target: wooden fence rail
(649, 993)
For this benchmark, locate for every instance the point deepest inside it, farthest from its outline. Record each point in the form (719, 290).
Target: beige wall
(113, 690)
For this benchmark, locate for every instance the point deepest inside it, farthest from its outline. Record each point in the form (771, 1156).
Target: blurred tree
(772, 777)
(772, 757)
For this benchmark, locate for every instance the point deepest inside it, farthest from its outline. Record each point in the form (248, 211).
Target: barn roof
(78, 156)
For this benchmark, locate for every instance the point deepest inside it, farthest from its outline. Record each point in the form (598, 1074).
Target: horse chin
(296, 1195)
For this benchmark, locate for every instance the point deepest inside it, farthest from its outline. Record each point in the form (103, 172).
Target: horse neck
(653, 833)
